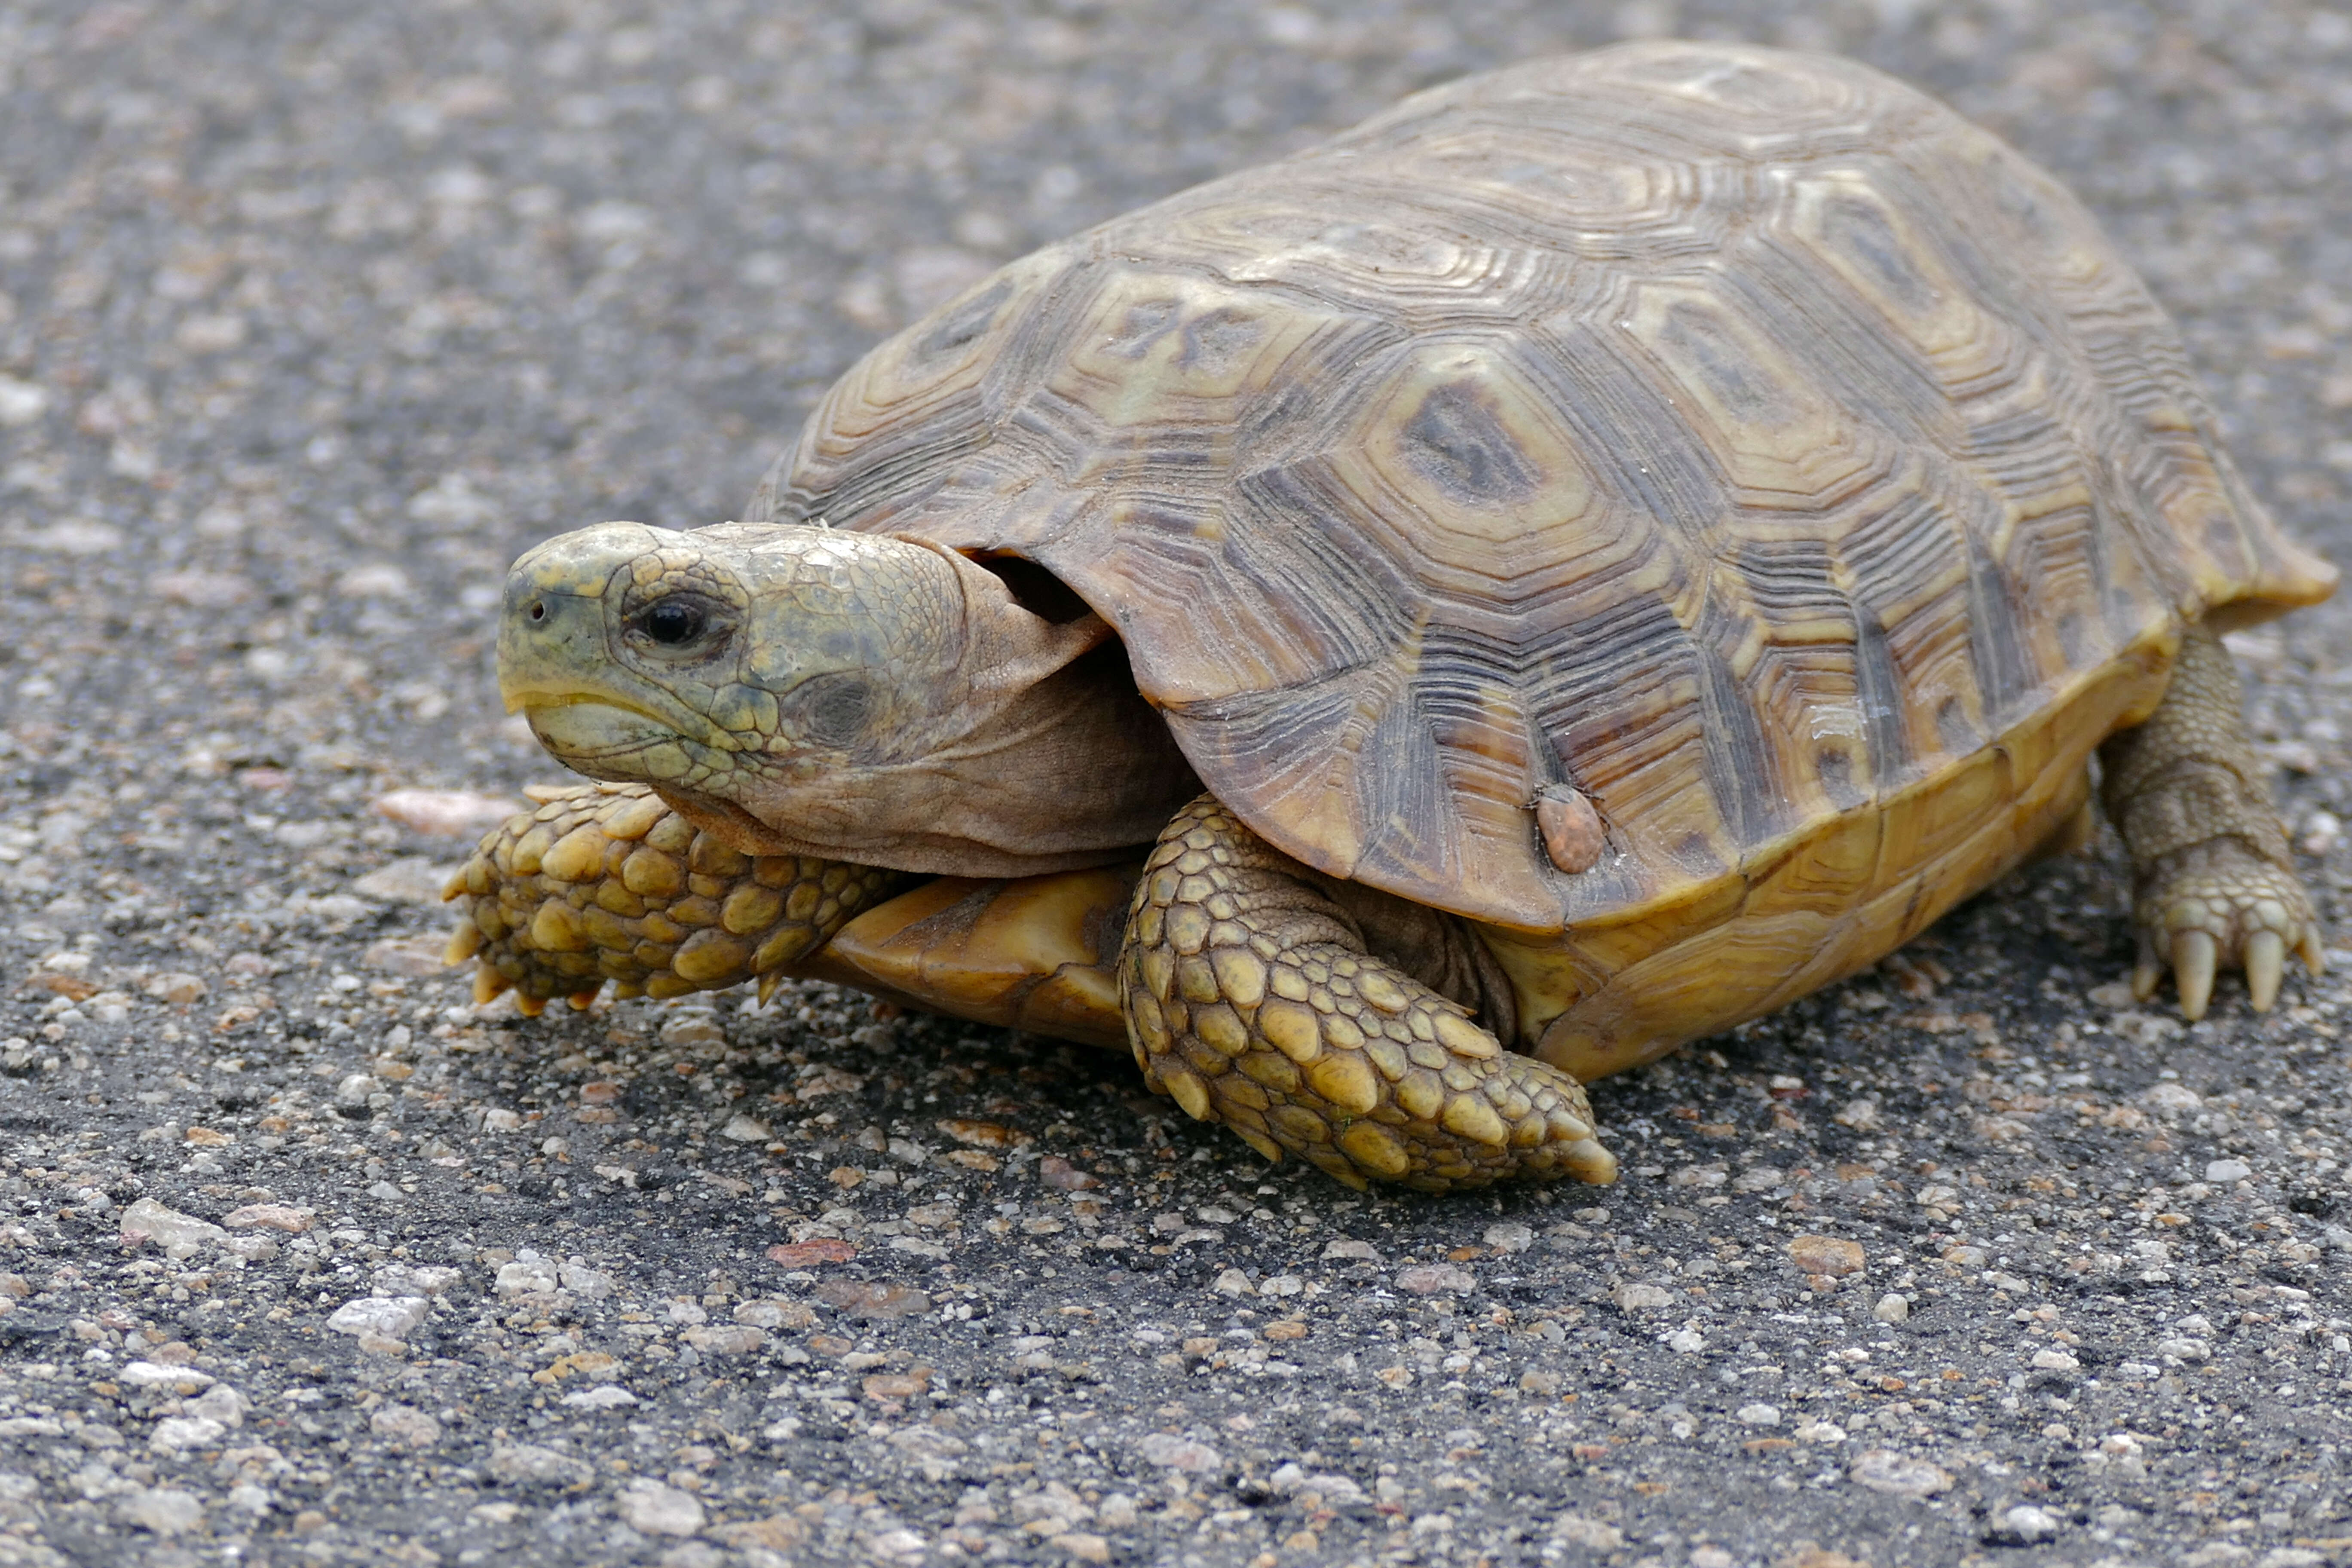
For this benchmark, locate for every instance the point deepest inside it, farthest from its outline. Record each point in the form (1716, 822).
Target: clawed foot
(605, 883)
(2216, 906)
(1252, 1002)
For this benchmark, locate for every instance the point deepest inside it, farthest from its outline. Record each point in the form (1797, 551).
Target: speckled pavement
(313, 317)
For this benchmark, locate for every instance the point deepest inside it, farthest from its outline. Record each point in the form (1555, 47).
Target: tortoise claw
(2265, 966)
(464, 943)
(2195, 956)
(2216, 906)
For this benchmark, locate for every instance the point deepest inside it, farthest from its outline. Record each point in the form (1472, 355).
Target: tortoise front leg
(1251, 998)
(608, 883)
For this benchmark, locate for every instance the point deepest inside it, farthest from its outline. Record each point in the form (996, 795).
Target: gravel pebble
(1900, 1475)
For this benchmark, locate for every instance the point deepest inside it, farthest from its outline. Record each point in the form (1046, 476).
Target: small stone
(927, 1443)
(1232, 1282)
(2227, 1173)
(1348, 1249)
(873, 1300)
(526, 1276)
(219, 1403)
(1899, 1474)
(175, 987)
(201, 590)
(293, 1220)
(1826, 1255)
(1640, 1298)
(656, 1508)
(448, 813)
(181, 1380)
(584, 1282)
(176, 1433)
(1589, 1534)
(713, 1339)
(610, 1397)
(405, 1425)
(21, 402)
(2026, 1524)
(2055, 1360)
(147, 1220)
(528, 1465)
(1174, 1453)
(745, 1129)
(1757, 1416)
(1429, 1279)
(1536, 1381)
(1063, 1177)
(773, 1314)
(1509, 1236)
(1086, 1548)
(390, 1317)
(411, 1280)
(411, 957)
(983, 1134)
(165, 1511)
(2185, 1348)
(693, 1028)
(808, 1254)
(1892, 1308)
(1686, 1342)
(411, 880)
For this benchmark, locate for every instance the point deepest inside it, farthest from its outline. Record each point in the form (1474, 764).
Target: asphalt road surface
(312, 316)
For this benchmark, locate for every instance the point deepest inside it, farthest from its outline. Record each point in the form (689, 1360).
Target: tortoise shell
(1738, 438)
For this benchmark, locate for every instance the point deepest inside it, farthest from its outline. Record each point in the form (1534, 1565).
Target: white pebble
(167, 1510)
(393, 1317)
(1892, 1308)
(2224, 1173)
(2029, 1523)
(178, 1432)
(658, 1509)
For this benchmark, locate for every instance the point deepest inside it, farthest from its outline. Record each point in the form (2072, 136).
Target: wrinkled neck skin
(994, 743)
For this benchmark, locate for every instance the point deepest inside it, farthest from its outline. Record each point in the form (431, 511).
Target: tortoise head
(806, 690)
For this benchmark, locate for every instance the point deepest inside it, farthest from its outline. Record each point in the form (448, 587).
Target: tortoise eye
(673, 623)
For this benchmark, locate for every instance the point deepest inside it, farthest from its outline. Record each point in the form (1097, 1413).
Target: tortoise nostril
(538, 609)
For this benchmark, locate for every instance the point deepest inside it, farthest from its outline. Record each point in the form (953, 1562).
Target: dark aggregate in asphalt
(312, 316)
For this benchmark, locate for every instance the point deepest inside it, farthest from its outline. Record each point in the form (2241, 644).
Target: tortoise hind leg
(1251, 998)
(2213, 883)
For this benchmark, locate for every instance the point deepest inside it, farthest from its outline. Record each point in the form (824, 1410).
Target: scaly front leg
(606, 883)
(1251, 998)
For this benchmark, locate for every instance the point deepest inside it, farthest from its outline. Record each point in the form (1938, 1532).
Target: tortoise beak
(558, 665)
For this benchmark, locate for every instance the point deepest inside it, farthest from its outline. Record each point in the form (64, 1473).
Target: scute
(1737, 438)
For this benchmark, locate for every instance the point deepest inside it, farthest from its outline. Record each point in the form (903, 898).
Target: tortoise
(1591, 554)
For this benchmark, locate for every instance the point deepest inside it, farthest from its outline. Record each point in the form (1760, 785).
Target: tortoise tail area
(1804, 912)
